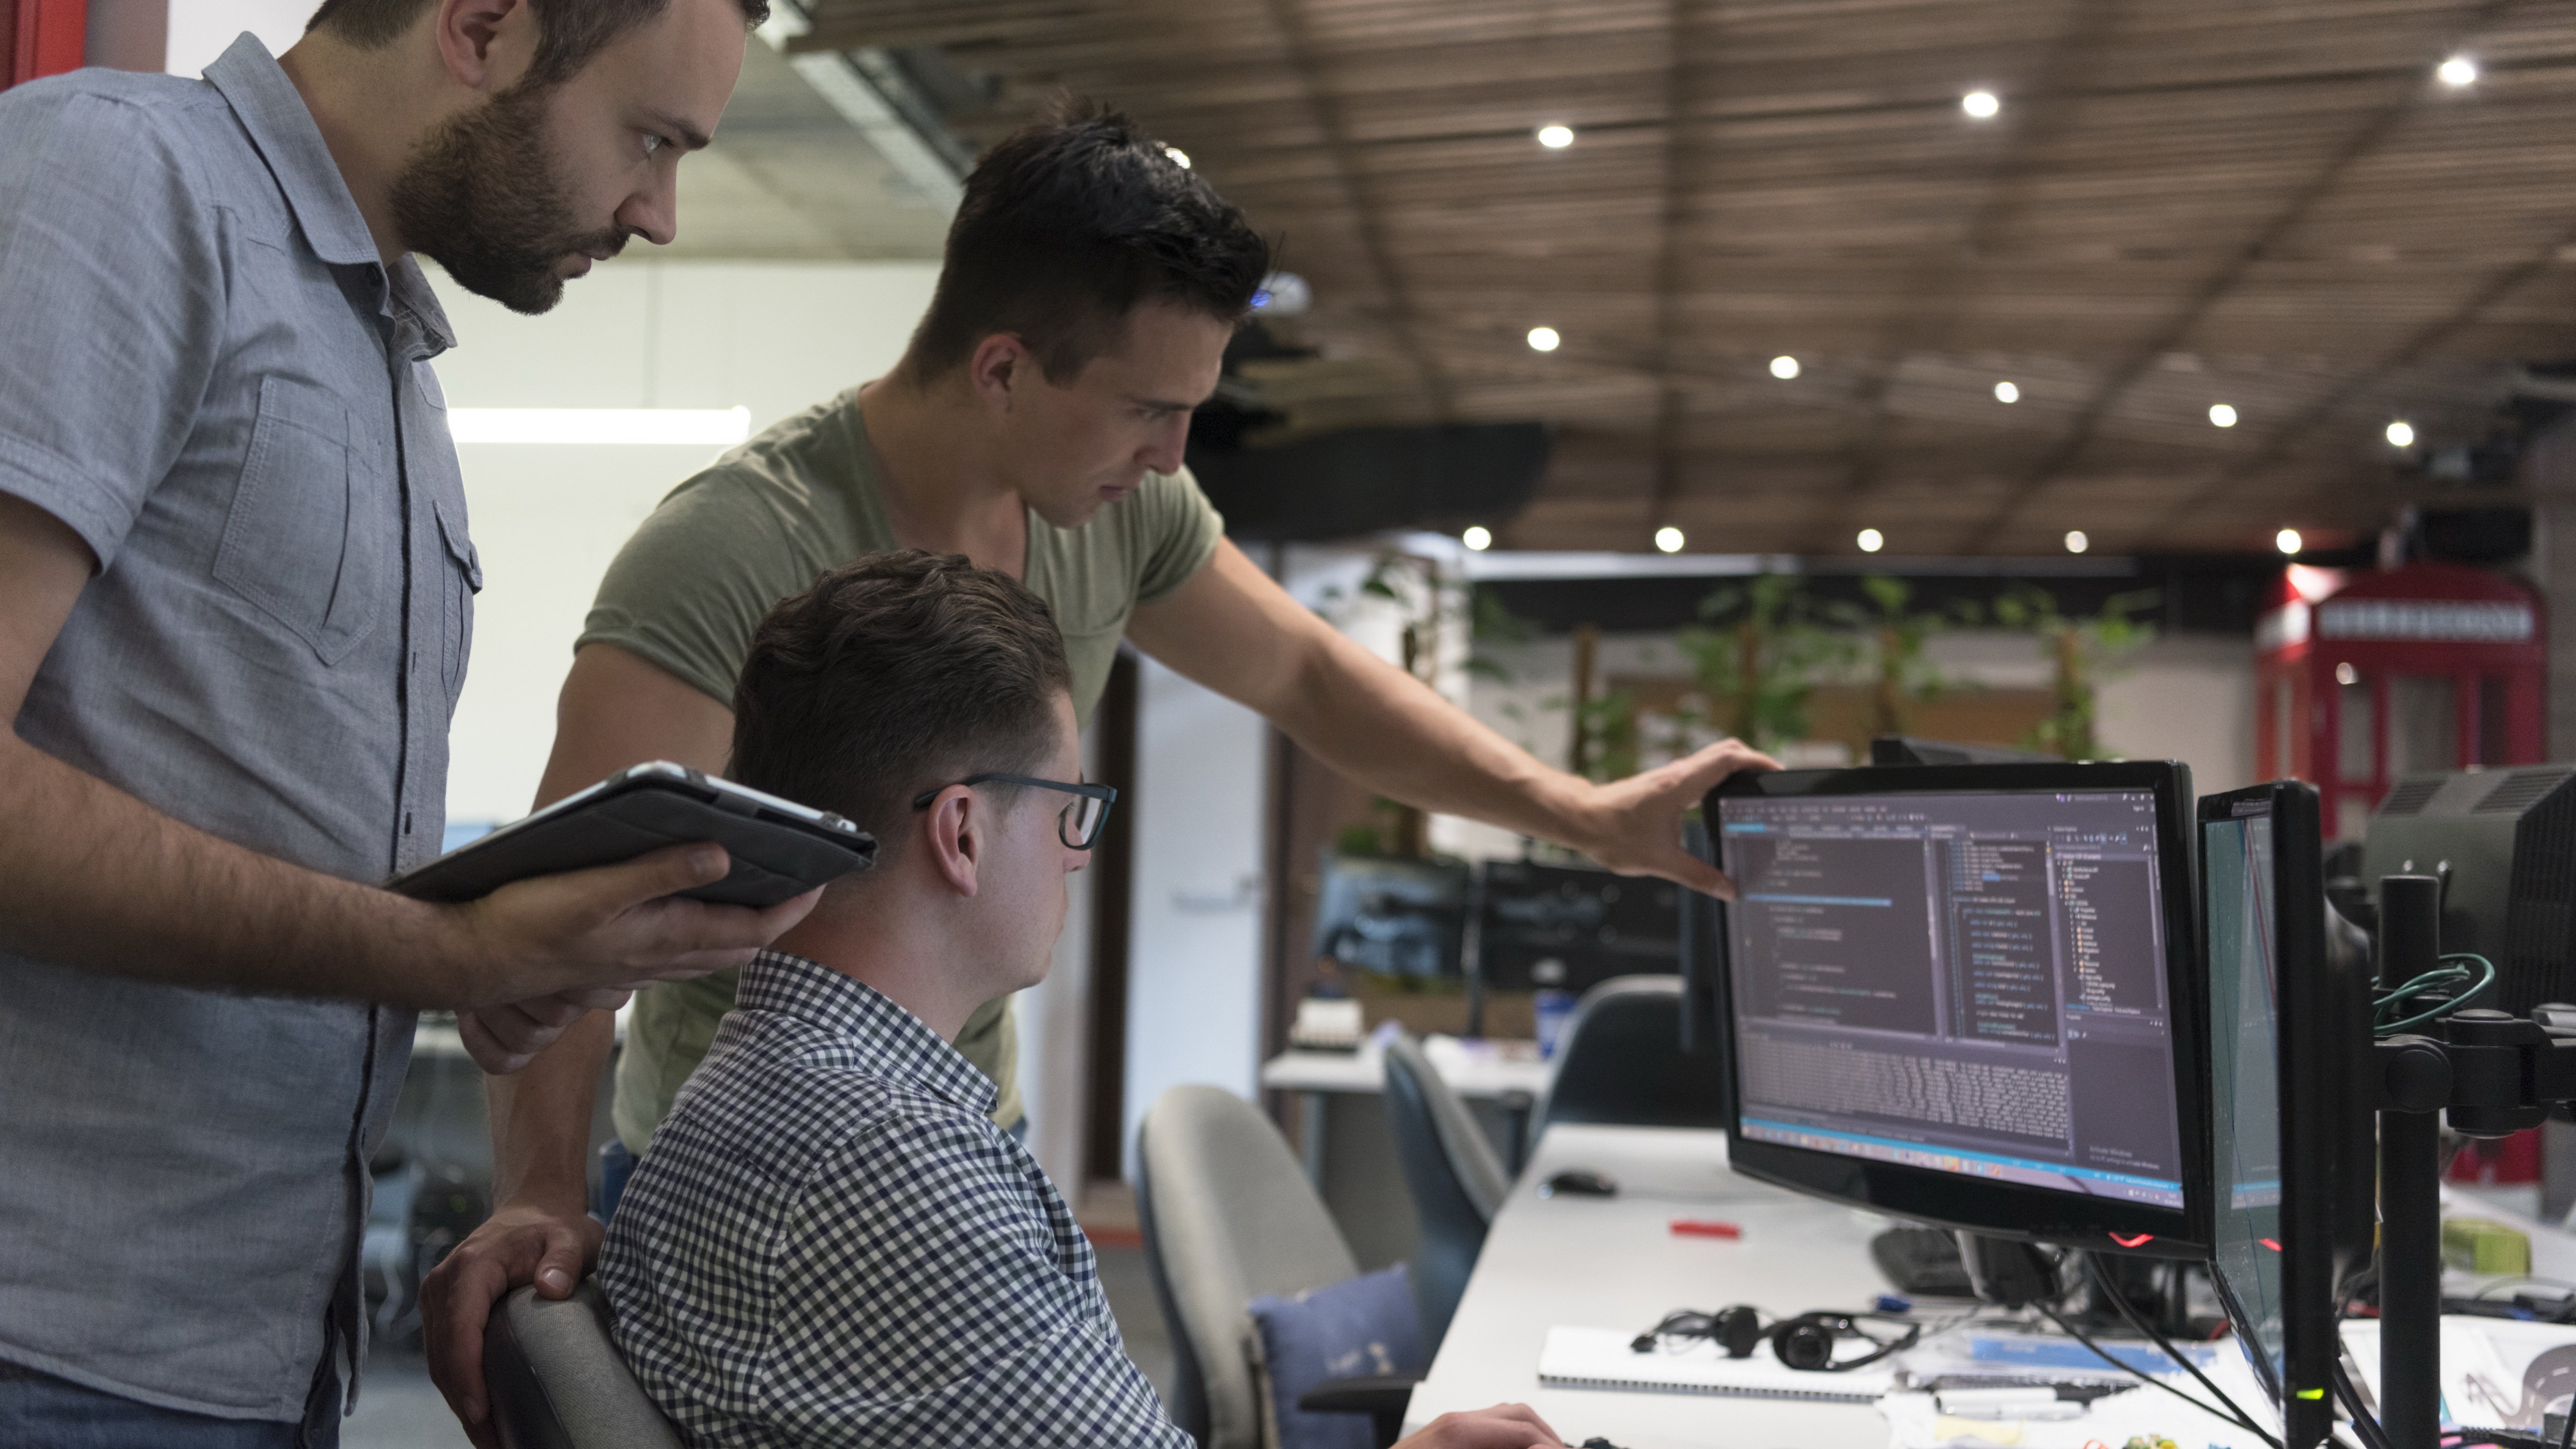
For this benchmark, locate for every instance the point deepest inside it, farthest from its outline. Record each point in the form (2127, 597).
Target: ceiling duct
(1361, 480)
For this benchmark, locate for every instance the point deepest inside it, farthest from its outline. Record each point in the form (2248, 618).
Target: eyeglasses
(1079, 825)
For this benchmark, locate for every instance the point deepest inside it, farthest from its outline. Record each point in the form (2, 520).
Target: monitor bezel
(2013, 1211)
(2308, 1059)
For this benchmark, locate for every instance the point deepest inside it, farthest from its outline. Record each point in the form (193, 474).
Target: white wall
(1194, 945)
(772, 337)
(200, 30)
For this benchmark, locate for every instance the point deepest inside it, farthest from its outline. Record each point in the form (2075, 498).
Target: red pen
(1703, 1228)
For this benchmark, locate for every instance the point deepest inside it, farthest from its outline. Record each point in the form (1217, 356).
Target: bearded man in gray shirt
(236, 594)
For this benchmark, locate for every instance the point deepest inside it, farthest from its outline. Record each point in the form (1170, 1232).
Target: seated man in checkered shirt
(830, 1242)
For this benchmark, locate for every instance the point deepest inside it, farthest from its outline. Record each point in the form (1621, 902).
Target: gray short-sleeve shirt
(207, 372)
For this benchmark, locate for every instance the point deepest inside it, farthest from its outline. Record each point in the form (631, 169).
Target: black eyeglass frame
(1107, 795)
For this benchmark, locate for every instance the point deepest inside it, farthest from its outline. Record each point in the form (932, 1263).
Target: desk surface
(1615, 1263)
(1469, 1071)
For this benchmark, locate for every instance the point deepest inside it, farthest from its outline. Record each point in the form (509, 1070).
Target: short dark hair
(900, 672)
(569, 32)
(1065, 227)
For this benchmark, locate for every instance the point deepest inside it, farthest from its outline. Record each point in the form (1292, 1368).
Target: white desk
(1470, 1071)
(1615, 1263)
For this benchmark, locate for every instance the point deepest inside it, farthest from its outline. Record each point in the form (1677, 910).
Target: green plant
(1902, 673)
(2079, 651)
(1757, 674)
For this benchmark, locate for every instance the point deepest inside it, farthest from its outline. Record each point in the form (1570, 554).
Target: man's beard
(480, 196)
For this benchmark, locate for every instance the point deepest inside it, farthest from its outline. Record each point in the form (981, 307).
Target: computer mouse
(1580, 1183)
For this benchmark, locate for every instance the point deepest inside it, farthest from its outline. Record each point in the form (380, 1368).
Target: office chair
(1622, 1062)
(1457, 1180)
(557, 1381)
(1228, 1216)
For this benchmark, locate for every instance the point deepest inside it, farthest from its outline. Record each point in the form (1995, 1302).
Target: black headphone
(1804, 1342)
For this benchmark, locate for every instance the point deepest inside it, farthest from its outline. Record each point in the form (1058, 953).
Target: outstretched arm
(1234, 630)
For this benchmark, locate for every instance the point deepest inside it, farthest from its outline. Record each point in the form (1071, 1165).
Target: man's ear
(1000, 364)
(952, 835)
(486, 45)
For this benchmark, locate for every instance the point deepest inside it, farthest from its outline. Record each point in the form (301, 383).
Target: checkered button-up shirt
(831, 1243)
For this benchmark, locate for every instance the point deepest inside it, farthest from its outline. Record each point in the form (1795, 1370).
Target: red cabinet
(2364, 677)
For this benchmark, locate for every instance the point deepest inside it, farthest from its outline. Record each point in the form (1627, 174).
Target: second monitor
(1968, 995)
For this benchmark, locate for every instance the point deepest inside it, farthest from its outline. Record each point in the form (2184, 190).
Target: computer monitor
(1394, 917)
(1971, 994)
(2503, 843)
(1573, 927)
(2290, 1141)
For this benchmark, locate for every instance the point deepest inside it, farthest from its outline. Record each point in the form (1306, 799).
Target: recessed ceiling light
(2288, 540)
(2007, 393)
(1669, 539)
(1784, 368)
(1871, 540)
(2459, 70)
(1980, 104)
(2401, 435)
(1478, 538)
(1543, 339)
(1556, 138)
(2076, 542)
(2221, 415)
(1179, 157)
(2345, 674)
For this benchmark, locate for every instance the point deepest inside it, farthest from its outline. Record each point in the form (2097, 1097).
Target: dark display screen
(2244, 985)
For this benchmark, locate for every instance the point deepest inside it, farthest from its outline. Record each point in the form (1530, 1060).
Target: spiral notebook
(1600, 1358)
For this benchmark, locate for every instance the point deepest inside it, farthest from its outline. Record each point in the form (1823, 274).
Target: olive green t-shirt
(760, 524)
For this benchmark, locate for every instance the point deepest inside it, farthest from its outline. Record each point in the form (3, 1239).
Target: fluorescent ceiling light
(696, 426)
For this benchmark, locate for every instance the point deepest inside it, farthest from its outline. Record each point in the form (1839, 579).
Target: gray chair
(556, 1380)
(1622, 1061)
(1457, 1180)
(1228, 1216)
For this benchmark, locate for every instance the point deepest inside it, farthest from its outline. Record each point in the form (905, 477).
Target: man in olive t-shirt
(687, 591)
(1036, 425)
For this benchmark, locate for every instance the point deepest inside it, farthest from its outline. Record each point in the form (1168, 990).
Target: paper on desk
(1914, 1419)
(2496, 1372)
(1601, 1358)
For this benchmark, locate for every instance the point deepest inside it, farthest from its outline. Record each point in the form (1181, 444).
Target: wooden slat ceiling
(2268, 203)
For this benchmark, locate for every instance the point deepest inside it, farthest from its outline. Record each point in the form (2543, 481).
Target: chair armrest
(1371, 1394)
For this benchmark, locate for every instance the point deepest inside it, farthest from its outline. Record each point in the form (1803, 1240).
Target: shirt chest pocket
(314, 526)
(461, 581)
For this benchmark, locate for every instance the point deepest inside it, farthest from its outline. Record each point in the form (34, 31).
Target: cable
(2363, 1422)
(2071, 1331)
(2120, 1302)
(2444, 974)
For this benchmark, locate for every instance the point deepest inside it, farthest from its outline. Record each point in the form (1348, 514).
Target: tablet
(780, 849)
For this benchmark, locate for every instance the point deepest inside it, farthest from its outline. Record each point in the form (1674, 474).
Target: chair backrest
(1622, 1061)
(557, 1381)
(1457, 1180)
(1228, 1215)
